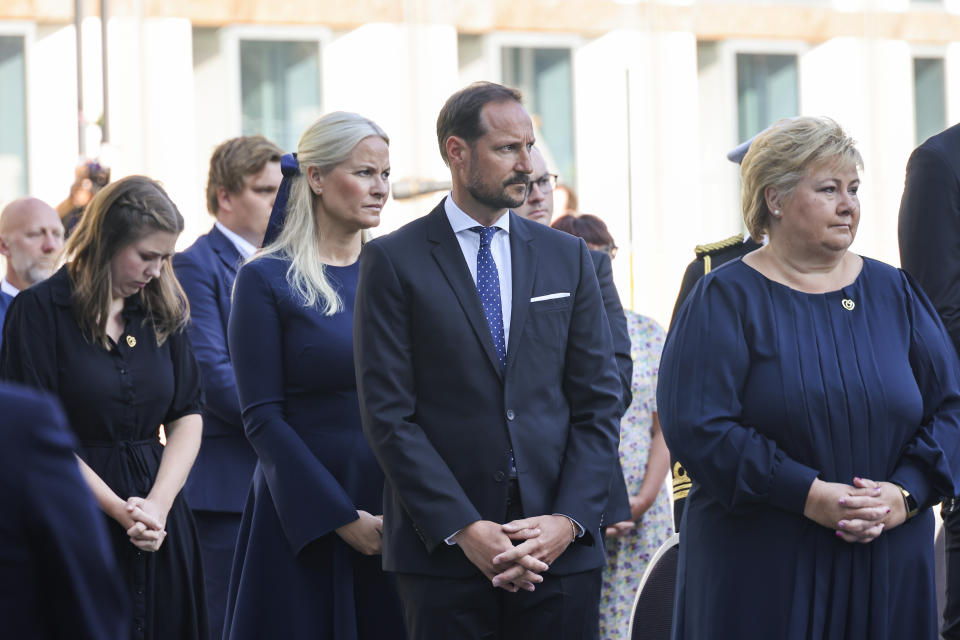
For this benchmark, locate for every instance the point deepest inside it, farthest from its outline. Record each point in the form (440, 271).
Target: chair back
(652, 617)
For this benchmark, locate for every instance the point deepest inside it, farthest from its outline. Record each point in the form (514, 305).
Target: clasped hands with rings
(859, 512)
(490, 547)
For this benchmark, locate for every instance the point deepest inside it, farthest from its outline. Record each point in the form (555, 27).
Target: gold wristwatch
(909, 502)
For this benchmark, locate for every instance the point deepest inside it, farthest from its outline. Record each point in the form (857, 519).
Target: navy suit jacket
(220, 478)
(929, 225)
(618, 505)
(441, 416)
(5, 300)
(58, 575)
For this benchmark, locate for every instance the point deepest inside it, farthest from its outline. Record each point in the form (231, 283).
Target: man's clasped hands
(490, 546)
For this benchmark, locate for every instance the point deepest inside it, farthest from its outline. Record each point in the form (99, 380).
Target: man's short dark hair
(460, 116)
(234, 160)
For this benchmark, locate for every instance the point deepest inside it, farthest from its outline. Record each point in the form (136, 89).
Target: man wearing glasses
(539, 207)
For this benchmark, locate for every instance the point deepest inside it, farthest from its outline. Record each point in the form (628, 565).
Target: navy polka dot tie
(488, 285)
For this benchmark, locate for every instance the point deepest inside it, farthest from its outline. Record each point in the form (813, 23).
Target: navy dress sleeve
(703, 370)
(929, 465)
(308, 499)
(187, 392)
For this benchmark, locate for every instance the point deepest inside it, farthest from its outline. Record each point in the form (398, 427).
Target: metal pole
(77, 27)
(105, 126)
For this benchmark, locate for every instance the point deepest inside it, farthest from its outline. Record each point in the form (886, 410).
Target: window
(545, 76)
(767, 90)
(279, 88)
(929, 98)
(13, 118)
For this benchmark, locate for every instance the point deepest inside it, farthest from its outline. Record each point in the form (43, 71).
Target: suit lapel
(449, 257)
(224, 249)
(524, 266)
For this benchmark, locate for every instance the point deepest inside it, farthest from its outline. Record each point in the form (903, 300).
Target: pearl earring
(776, 213)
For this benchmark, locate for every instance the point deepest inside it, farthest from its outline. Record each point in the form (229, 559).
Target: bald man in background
(31, 237)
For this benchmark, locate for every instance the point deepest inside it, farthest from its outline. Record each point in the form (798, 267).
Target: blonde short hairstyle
(780, 156)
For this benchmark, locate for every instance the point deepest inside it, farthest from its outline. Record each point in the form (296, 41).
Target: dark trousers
(218, 539)
(951, 532)
(561, 608)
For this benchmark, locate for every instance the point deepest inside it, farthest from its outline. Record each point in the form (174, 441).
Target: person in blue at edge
(307, 563)
(242, 184)
(825, 426)
(106, 334)
(58, 578)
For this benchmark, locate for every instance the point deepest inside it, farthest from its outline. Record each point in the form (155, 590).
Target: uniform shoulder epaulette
(713, 247)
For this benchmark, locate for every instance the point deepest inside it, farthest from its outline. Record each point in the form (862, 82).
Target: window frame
(230, 38)
(494, 43)
(28, 31)
(929, 51)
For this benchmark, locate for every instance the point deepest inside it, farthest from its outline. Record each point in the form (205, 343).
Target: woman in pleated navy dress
(307, 563)
(813, 396)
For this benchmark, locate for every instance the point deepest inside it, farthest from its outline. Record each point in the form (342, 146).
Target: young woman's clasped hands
(859, 512)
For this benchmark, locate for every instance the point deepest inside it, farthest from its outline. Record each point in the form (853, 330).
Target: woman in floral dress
(645, 462)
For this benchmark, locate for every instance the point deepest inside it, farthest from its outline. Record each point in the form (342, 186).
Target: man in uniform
(708, 257)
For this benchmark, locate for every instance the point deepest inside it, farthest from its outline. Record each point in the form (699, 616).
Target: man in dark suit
(58, 576)
(929, 237)
(490, 395)
(242, 184)
(539, 207)
(31, 237)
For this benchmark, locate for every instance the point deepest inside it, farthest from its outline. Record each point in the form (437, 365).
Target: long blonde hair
(325, 144)
(124, 212)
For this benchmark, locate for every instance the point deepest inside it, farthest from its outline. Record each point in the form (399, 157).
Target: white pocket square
(550, 296)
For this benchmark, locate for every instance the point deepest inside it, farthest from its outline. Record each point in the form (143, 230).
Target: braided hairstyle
(120, 214)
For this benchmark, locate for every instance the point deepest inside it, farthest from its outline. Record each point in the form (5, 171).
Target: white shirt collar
(460, 221)
(8, 288)
(245, 248)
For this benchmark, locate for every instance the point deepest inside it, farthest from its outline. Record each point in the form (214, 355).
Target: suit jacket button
(499, 476)
(510, 414)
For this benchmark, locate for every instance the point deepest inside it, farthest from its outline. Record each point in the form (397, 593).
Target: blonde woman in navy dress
(813, 395)
(307, 563)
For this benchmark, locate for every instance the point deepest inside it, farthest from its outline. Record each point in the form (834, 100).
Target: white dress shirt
(499, 247)
(245, 248)
(11, 290)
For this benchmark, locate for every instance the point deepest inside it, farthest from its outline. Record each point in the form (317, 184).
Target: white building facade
(635, 103)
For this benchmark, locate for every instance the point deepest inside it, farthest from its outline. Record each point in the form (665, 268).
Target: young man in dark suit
(490, 395)
(242, 184)
(58, 575)
(929, 237)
